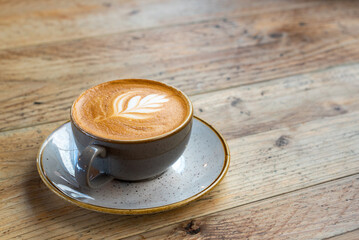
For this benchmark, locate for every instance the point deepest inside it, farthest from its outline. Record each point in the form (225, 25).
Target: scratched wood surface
(279, 79)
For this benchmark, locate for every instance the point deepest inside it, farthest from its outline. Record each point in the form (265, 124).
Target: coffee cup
(129, 129)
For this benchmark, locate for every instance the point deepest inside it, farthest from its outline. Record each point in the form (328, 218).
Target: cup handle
(83, 166)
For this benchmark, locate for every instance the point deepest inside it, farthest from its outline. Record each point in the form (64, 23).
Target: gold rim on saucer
(57, 191)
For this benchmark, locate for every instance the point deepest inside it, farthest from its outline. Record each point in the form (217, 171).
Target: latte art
(130, 109)
(137, 107)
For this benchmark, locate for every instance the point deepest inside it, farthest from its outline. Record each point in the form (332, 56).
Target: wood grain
(27, 23)
(279, 78)
(312, 213)
(263, 165)
(286, 102)
(39, 83)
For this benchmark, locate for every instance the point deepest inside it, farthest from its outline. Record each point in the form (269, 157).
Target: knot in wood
(282, 141)
(192, 228)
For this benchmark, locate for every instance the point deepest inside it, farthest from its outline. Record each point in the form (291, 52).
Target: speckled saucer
(200, 168)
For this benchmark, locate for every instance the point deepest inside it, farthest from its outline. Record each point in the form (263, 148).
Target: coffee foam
(130, 109)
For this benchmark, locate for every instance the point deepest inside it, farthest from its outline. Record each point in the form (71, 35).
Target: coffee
(131, 109)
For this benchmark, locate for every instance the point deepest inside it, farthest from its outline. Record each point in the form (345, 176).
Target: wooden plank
(25, 23)
(39, 83)
(286, 102)
(353, 235)
(263, 165)
(313, 213)
(244, 110)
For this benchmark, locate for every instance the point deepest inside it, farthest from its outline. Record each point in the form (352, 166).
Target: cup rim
(144, 140)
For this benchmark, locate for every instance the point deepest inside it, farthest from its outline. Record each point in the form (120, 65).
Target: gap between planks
(350, 235)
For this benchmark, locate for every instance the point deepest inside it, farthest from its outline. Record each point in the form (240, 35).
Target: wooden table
(279, 79)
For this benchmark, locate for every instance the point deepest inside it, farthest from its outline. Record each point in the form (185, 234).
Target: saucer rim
(135, 211)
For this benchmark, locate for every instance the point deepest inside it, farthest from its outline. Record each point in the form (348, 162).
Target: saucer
(201, 167)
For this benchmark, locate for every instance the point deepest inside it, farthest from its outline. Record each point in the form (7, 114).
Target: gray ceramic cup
(133, 160)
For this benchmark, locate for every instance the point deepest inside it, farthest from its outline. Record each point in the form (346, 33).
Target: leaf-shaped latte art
(137, 107)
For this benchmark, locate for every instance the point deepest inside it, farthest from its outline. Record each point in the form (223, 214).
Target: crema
(130, 109)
